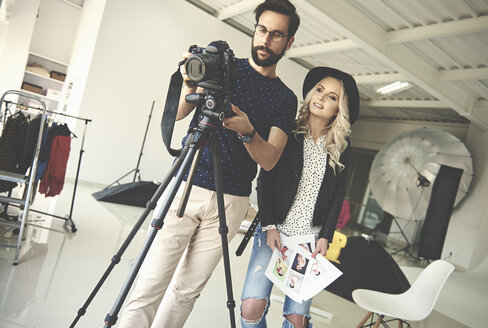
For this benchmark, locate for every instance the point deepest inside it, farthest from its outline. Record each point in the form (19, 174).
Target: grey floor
(58, 270)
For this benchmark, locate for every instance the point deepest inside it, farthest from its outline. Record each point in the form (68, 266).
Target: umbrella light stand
(135, 193)
(409, 246)
(137, 172)
(402, 173)
(422, 182)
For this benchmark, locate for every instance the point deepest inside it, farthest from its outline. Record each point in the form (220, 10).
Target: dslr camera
(212, 67)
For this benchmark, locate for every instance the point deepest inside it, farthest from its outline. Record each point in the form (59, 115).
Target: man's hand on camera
(185, 108)
(186, 79)
(239, 123)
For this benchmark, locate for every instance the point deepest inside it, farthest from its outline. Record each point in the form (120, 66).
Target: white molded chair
(415, 304)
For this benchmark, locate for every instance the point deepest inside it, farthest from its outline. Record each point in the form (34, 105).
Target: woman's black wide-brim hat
(317, 74)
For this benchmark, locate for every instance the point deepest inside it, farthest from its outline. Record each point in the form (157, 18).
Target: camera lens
(202, 67)
(195, 68)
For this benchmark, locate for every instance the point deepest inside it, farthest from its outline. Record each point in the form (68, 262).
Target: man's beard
(272, 58)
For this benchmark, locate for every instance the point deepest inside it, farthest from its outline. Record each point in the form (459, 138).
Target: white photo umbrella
(405, 168)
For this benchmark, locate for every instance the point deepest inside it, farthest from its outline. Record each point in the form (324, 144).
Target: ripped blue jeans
(258, 286)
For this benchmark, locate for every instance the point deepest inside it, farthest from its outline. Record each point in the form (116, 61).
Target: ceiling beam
(404, 103)
(470, 25)
(238, 8)
(451, 75)
(321, 48)
(481, 105)
(463, 26)
(379, 78)
(318, 9)
(353, 24)
(464, 74)
(368, 93)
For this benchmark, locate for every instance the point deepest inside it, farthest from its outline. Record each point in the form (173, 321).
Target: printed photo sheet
(296, 273)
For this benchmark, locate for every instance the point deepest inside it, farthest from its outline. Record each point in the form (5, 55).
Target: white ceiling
(439, 45)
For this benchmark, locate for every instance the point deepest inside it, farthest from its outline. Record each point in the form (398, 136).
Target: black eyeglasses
(261, 31)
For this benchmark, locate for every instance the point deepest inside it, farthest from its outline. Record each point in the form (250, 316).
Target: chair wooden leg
(378, 322)
(366, 317)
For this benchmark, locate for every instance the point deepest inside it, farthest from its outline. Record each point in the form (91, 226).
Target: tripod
(200, 136)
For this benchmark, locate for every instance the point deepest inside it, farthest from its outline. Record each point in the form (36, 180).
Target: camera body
(213, 67)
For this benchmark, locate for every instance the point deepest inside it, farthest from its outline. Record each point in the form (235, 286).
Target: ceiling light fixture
(394, 87)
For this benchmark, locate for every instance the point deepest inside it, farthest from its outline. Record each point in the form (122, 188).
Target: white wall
(55, 30)
(82, 52)
(3, 26)
(80, 62)
(13, 56)
(468, 228)
(138, 48)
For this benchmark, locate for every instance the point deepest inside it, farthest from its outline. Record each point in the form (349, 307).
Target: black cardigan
(276, 189)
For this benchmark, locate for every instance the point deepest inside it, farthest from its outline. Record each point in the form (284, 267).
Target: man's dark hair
(283, 7)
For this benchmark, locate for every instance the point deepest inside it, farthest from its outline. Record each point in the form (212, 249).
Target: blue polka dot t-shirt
(267, 102)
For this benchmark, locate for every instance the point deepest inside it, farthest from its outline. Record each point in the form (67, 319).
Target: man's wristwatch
(248, 136)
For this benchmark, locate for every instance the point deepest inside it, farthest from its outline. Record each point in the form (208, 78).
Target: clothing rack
(68, 218)
(26, 199)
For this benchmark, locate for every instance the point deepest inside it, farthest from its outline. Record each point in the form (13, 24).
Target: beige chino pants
(197, 230)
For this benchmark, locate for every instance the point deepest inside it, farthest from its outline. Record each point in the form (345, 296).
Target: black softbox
(366, 264)
(134, 193)
(439, 212)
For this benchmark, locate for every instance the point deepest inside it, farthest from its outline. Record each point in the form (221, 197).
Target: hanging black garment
(12, 139)
(19, 142)
(6, 144)
(26, 156)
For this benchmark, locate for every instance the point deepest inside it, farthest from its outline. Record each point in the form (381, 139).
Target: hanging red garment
(52, 180)
(345, 215)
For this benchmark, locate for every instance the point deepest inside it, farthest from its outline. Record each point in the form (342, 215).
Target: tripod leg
(223, 229)
(189, 184)
(156, 224)
(404, 237)
(151, 204)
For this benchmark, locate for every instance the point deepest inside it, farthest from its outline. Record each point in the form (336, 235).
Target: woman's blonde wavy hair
(337, 131)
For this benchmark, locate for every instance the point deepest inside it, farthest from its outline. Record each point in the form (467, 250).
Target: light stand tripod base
(134, 193)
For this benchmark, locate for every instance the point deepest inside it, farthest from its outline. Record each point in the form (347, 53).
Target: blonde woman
(303, 193)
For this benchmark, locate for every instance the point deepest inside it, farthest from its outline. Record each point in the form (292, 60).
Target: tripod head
(212, 104)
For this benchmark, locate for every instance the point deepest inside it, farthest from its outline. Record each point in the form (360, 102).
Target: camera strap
(248, 235)
(170, 111)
